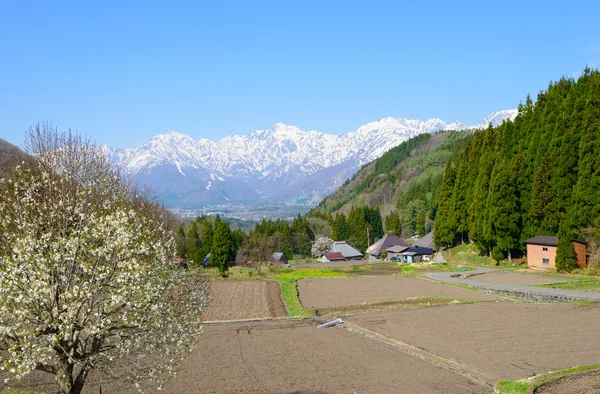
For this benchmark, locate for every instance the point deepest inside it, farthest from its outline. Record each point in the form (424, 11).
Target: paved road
(445, 277)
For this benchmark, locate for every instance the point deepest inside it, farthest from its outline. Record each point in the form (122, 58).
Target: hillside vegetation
(538, 175)
(10, 155)
(403, 184)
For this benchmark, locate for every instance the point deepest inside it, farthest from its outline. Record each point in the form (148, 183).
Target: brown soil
(296, 357)
(588, 383)
(332, 293)
(292, 357)
(238, 300)
(386, 305)
(517, 279)
(511, 340)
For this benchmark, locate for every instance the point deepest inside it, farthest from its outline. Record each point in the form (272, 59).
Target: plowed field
(238, 300)
(328, 293)
(511, 340)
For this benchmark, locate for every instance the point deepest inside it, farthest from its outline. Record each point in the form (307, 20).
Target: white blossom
(84, 276)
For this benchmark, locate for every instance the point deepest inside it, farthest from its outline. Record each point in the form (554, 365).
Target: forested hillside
(402, 186)
(10, 155)
(538, 175)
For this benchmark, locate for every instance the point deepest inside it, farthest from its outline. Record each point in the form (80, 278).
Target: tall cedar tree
(443, 227)
(565, 253)
(542, 196)
(393, 224)
(339, 228)
(222, 251)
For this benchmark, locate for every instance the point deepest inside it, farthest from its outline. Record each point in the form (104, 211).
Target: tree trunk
(509, 257)
(64, 376)
(79, 382)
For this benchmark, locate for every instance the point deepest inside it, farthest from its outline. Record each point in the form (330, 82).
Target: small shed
(541, 252)
(333, 256)
(279, 257)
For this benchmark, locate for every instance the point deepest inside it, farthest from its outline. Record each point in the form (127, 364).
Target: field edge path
(475, 374)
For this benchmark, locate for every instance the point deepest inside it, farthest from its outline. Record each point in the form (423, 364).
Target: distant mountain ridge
(282, 164)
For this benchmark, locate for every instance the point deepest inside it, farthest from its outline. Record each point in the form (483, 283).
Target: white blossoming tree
(85, 278)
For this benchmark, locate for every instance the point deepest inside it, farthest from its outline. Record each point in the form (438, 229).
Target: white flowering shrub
(85, 278)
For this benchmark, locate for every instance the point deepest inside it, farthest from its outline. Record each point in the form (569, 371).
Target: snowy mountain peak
(281, 162)
(496, 118)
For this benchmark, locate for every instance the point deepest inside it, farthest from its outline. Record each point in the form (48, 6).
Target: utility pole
(368, 244)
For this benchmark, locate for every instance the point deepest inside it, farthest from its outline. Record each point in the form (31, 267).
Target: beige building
(541, 252)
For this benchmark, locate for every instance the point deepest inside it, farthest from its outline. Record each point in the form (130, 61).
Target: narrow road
(446, 277)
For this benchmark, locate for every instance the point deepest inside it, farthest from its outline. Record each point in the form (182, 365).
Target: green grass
(570, 371)
(576, 283)
(290, 297)
(408, 270)
(512, 387)
(526, 387)
(288, 277)
(467, 254)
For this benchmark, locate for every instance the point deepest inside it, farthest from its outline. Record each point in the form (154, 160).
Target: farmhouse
(279, 257)
(346, 250)
(426, 241)
(415, 254)
(541, 252)
(389, 240)
(333, 256)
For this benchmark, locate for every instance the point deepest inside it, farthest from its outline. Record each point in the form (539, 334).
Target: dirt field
(576, 384)
(327, 293)
(517, 279)
(236, 300)
(296, 357)
(510, 340)
(293, 357)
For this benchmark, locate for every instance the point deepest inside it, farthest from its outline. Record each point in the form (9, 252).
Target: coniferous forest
(537, 175)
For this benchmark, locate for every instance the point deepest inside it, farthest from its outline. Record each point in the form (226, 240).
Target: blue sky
(124, 71)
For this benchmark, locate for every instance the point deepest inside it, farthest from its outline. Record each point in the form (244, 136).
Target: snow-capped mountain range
(283, 163)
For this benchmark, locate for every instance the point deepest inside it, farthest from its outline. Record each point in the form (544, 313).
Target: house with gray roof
(426, 241)
(388, 241)
(346, 250)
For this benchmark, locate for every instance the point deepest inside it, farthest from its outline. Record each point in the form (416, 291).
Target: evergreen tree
(504, 214)
(421, 225)
(393, 223)
(357, 226)
(586, 194)
(443, 227)
(181, 242)
(222, 251)
(565, 253)
(194, 245)
(542, 196)
(206, 238)
(339, 228)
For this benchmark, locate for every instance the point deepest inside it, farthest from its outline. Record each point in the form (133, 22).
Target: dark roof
(426, 241)
(334, 256)
(415, 250)
(546, 240)
(277, 256)
(397, 249)
(385, 243)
